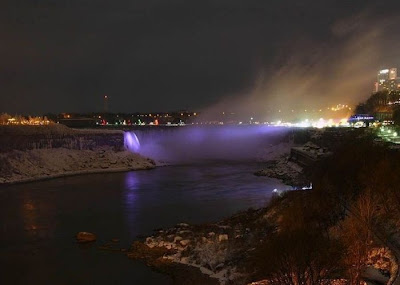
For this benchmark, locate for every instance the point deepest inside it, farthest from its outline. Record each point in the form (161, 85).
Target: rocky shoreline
(285, 170)
(292, 166)
(213, 253)
(220, 253)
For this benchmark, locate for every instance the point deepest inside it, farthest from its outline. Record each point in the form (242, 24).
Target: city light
(6, 119)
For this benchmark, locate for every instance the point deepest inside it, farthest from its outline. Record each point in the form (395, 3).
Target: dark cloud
(164, 55)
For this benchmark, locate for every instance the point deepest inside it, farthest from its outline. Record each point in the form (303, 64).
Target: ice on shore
(30, 165)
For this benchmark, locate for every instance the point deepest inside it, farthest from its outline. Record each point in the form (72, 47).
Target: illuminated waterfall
(131, 142)
(196, 144)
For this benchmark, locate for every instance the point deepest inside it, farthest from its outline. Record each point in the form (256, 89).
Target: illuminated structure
(6, 119)
(393, 74)
(361, 120)
(387, 80)
(105, 104)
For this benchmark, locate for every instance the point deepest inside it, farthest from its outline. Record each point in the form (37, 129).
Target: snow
(274, 152)
(29, 153)
(37, 164)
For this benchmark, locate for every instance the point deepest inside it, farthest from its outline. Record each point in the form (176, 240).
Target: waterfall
(194, 144)
(131, 142)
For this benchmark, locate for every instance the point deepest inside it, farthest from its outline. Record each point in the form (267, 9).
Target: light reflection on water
(39, 220)
(130, 199)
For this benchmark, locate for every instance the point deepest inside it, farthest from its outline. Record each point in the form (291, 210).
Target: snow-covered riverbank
(30, 153)
(216, 250)
(37, 164)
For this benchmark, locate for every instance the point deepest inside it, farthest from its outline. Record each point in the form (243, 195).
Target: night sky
(152, 55)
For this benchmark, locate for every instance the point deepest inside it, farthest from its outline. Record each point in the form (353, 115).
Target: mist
(309, 75)
(200, 144)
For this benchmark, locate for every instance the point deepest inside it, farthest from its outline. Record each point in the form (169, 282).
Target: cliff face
(29, 153)
(75, 141)
(30, 165)
(57, 136)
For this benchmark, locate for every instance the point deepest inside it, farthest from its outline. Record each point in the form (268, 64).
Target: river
(39, 220)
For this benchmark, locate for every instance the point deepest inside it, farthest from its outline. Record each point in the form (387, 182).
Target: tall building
(387, 80)
(105, 109)
(383, 75)
(393, 74)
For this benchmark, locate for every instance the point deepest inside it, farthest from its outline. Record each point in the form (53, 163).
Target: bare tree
(297, 257)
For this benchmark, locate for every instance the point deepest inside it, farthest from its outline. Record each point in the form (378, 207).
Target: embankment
(29, 153)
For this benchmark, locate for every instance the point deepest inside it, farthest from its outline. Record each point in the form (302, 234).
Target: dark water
(38, 221)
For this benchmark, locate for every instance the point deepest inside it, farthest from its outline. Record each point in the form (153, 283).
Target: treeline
(328, 232)
(381, 102)
(376, 101)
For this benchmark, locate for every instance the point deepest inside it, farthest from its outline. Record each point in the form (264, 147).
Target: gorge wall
(57, 136)
(29, 153)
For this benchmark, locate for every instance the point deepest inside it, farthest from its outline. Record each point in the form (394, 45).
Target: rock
(211, 234)
(83, 237)
(177, 238)
(183, 225)
(224, 227)
(113, 161)
(222, 238)
(184, 260)
(184, 242)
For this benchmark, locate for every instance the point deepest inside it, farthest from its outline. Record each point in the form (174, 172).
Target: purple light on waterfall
(131, 142)
(195, 144)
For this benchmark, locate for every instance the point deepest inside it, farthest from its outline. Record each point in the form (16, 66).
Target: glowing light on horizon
(307, 123)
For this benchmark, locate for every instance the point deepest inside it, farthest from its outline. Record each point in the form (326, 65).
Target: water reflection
(130, 197)
(39, 221)
(32, 212)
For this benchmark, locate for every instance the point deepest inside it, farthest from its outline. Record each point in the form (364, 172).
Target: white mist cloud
(312, 74)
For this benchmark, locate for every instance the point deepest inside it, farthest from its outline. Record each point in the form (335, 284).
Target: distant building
(376, 87)
(105, 107)
(361, 120)
(393, 74)
(387, 80)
